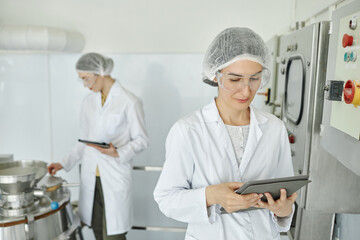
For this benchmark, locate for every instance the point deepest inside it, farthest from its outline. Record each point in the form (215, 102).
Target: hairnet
(231, 45)
(95, 63)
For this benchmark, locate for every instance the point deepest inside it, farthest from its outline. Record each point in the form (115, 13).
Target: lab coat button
(291, 138)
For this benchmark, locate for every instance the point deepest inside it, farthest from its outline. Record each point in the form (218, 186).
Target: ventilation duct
(38, 38)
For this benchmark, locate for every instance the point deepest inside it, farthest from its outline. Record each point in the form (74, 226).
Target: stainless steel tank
(30, 209)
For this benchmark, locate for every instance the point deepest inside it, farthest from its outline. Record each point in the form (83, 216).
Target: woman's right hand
(54, 167)
(224, 195)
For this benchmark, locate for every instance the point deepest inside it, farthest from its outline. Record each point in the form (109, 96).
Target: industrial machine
(303, 56)
(341, 128)
(320, 74)
(33, 207)
(340, 135)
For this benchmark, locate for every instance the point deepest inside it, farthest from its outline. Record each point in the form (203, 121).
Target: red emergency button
(352, 92)
(292, 138)
(349, 91)
(347, 40)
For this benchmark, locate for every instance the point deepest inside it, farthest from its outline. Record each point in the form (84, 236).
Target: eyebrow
(240, 75)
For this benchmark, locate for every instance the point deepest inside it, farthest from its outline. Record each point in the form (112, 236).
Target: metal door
(298, 53)
(303, 56)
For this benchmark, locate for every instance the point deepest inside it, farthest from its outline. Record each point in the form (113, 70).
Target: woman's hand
(224, 195)
(111, 151)
(54, 167)
(281, 207)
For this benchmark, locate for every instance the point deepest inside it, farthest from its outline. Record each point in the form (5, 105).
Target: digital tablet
(272, 186)
(100, 144)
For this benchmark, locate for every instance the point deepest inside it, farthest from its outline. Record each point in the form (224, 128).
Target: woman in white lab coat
(213, 151)
(110, 114)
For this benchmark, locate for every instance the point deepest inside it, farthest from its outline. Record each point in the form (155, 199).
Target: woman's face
(92, 81)
(239, 83)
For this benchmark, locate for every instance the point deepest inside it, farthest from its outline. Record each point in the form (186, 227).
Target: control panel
(345, 114)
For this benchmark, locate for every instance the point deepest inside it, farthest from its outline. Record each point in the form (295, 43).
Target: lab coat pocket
(114, 123)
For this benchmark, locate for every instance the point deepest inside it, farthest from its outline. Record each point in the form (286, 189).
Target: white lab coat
(199, 153)
(121, 122)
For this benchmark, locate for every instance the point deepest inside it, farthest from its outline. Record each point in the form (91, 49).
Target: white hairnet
(95, 63)
(231, 45)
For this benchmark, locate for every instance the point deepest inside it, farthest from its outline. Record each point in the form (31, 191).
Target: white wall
(310, 11)
(157, 26)
(24, 115)
(306, 9)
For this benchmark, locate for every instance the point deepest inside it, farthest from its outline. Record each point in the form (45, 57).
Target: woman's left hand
(281, 207)
(111, 151)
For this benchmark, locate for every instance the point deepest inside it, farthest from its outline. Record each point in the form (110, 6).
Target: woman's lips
(242, 100)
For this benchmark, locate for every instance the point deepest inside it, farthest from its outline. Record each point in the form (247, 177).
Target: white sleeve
(174, 193)
(283, 223)
(76, 152)
(285, 169)
(138, 135)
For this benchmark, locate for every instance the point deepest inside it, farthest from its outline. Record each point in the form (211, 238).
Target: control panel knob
(353, 24)
(347, 40)
(346, 57)
(353, 56)
(292, 138)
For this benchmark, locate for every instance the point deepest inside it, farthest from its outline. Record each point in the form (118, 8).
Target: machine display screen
(294, 89)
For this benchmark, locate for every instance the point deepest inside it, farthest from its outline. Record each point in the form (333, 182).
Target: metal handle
(29, 227)
(70, 185)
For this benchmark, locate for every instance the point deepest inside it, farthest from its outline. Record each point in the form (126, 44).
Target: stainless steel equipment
(30, 209)
(341, 124)
(303, 60)
(341, 133)
(302, 70)
(20, 176)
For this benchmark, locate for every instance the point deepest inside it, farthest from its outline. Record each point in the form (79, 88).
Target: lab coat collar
(115, 90)
(211, 114)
